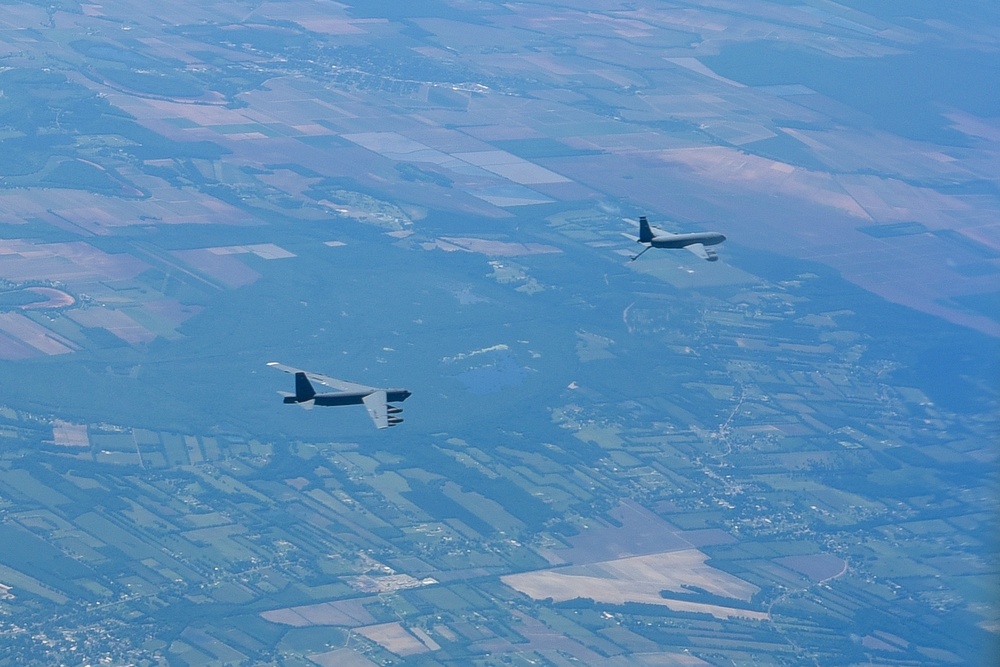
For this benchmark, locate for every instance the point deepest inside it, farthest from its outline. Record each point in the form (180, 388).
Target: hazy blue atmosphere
(907, 94)
(784, 457)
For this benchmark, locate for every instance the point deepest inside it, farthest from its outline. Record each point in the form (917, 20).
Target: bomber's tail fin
(645, 233)
(303, 388)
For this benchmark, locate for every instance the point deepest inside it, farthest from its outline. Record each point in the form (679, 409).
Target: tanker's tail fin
(645, 233)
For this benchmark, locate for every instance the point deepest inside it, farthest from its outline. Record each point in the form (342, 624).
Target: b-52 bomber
(377, 401)
(694, 242)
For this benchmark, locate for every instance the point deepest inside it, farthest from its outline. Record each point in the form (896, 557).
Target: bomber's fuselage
(349, 397)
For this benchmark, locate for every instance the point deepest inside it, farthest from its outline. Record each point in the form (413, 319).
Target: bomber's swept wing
(333, 383)
(375, 403)
(702, 251)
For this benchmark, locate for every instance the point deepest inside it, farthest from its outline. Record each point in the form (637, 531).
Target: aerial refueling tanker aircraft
(377, 401)
(694, 242)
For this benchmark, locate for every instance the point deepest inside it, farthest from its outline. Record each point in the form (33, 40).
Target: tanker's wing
(377, 407)
(333, 383)
(702, 251)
